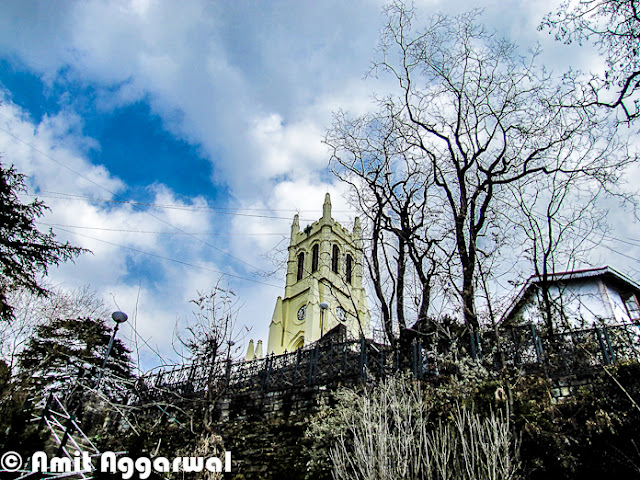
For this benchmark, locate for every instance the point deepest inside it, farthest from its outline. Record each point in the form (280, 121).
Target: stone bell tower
(324, 285)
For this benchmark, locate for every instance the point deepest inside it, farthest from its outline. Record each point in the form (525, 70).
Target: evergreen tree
(25, 252)
(17, 431)
(64, 350)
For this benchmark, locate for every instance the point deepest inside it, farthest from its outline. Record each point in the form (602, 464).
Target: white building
(579, 299)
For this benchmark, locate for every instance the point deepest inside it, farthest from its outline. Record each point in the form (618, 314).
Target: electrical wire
(174, 260)
(137, 207)
(64, 196)
(187, 208)
(229, 211)
(604, 236)
(215, 234)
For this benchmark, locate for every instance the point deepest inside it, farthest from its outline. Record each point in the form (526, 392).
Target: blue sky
(177, 139)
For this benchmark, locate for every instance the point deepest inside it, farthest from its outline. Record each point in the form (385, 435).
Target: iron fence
(578, 352)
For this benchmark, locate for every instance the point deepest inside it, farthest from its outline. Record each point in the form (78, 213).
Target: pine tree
(64, 350)
(25, 252)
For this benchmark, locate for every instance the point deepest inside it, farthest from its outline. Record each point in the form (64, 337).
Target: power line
(180, 207)
(44, 193)
(174, 260)
(133, 204)
(215, 234)
(604, 236)
(68, 196)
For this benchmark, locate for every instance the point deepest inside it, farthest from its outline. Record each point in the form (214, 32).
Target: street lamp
(323, 306)
(118, 317)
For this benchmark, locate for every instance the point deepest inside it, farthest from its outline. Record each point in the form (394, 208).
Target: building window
(349, 268)
(300, 266)
(314, 258)
(631, 304)
(334, 259)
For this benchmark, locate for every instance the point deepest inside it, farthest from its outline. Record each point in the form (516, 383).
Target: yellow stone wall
(291, 329)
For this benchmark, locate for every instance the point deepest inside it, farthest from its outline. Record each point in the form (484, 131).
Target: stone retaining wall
(275, 404)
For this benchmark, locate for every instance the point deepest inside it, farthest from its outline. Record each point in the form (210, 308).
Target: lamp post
(118, 317)
(323, 306)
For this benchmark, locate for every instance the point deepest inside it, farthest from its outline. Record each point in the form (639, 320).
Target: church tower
(324, 285)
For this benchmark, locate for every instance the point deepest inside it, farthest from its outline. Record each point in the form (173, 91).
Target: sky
(176, 140)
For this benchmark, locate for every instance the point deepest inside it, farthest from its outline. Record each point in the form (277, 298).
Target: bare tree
(559, 219)
(211, 340)
(31, 310)
(392, 189)
(212, 330)
(475, 117)
(613, 26)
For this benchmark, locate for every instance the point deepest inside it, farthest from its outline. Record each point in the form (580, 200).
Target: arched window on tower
(314, 258)
(334, 259)
(300, 266)
(349, 268)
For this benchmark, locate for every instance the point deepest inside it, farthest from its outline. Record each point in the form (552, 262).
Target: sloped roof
(568, 277)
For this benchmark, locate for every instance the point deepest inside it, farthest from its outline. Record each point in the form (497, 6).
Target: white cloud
(41, 149)
(253, 86)
(285, 149)
(113, 231)
(216, 75)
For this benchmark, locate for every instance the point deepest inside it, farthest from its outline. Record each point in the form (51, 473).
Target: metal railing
(578, 352)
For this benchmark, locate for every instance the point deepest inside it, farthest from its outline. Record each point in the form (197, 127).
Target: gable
(581, 297)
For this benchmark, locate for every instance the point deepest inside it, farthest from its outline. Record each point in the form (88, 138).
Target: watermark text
(110, 462)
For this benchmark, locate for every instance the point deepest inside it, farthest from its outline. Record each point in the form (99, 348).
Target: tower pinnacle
(295, 226)
(326, 208)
